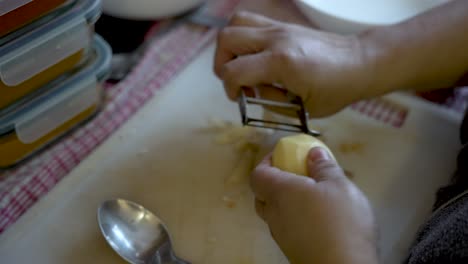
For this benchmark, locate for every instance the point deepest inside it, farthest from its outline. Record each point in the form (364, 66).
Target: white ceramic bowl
(147, 9)
(353, 16)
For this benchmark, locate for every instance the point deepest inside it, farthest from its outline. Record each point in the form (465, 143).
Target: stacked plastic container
(52, 67)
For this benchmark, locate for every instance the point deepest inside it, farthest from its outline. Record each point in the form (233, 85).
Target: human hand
(328, 71)
(323, 218)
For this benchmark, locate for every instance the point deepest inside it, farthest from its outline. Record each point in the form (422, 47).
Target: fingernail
(318, 153)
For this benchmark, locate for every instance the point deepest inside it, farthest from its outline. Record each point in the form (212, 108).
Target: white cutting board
(157, 159)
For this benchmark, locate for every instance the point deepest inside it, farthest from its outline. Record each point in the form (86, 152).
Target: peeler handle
(295, 103)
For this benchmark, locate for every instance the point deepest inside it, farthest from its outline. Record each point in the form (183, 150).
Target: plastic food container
(67, 103)
(17, 13)
(41, 55)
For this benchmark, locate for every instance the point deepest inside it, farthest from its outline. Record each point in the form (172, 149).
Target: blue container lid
(59, 91)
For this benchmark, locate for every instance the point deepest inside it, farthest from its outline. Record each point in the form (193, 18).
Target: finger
(248, 71)
(322, 166)
(248, 19)
(273, 93)
(267, 181)
(260, 175)
(237, 41)
(260, 209)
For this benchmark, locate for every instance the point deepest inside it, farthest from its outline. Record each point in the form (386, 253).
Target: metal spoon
(136, 234)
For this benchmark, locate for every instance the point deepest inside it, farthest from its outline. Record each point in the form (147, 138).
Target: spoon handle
(165, 255)
(171, 261)
(180, 261)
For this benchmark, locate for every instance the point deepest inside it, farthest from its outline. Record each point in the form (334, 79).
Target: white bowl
(354, 16)
(147, 9)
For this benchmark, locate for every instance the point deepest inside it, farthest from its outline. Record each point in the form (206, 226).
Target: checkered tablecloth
(21, 187)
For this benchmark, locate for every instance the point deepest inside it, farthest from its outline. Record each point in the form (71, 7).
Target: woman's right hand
(328, 71)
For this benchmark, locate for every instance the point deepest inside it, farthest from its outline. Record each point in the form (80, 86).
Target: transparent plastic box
(67, 103)
(42, 54)
(16, 13)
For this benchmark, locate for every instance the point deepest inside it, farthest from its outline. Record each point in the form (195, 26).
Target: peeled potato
(290, 153)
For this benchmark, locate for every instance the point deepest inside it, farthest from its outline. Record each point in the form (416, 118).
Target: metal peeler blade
(295, 104)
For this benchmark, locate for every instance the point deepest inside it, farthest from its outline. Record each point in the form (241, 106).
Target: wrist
(365, 253)
(355, 254)
(359, 245)
(349, 249)
(385, 63)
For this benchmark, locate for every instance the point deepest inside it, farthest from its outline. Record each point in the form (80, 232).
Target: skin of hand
(255, 51)
(330, 71)
(323, 218)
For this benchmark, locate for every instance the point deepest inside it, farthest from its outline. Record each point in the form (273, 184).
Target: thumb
(247, 71)
(322, 166)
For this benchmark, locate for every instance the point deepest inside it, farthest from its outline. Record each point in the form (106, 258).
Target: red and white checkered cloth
(21, 187)
(395, 115)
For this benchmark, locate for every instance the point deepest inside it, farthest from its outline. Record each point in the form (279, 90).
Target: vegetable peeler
(295, 104)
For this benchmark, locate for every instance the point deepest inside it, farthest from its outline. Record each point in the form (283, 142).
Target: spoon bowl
(135, 233)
